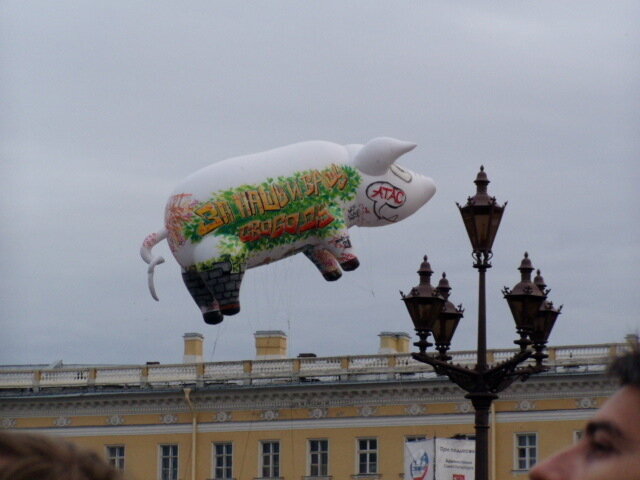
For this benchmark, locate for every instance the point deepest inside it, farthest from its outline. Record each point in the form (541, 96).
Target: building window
(367, 456)
(577, 435)
(168, 462)
(318, 458)
(271, 459)
(222, 460)
(526, 450)
(115, 456)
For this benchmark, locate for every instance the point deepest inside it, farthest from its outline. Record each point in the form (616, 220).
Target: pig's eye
(401, 173)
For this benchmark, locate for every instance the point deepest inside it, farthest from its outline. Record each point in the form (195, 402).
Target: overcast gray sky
(105, 106)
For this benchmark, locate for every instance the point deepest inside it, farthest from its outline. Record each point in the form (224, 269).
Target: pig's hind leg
(325, 262)
(223, 282)
(202, 296)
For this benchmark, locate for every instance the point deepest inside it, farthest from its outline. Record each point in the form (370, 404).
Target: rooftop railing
(578, 358)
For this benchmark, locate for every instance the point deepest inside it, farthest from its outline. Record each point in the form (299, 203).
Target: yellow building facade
(309, 418)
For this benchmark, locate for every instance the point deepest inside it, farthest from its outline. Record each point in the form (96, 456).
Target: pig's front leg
(340, 247)
(325, 262)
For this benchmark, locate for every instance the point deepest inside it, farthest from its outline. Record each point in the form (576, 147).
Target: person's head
(610, 447)
(25, 456)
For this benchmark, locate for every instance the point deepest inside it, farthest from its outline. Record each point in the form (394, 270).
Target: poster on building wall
(418, 460)
(454, 459)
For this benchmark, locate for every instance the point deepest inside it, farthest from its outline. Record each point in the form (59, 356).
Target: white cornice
(544, 416)
(323, 423)
(310, 396)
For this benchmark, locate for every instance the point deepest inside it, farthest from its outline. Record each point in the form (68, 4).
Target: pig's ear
(376, 157)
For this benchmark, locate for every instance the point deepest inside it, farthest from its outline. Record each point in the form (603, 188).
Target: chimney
(270, 344)
(193, 348)
(394, 342)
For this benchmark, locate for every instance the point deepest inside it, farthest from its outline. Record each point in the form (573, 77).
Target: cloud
(106, 107)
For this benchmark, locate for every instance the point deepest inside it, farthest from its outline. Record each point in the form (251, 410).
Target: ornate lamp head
(447, 322)
(525, 300)
(424, 304)
(481, 216)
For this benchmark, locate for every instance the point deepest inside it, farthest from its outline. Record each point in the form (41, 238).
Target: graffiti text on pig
(314, 217)
(385, 194)
(261, 199)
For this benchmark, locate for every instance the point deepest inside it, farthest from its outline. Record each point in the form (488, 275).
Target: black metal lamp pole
(432, 313)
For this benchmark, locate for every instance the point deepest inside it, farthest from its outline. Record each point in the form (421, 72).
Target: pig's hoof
(350, 264)
(332, 276)
(230, 309)
(213, 318)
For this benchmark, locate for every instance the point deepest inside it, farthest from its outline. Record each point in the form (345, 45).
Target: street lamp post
(433, 313)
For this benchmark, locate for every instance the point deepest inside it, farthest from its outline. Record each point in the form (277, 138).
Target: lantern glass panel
(524, 309)
(424, 311)
(481, 223)
(445, 327)
(543, 324)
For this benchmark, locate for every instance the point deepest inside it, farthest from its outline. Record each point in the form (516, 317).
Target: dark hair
(25, 456)
(626, 368)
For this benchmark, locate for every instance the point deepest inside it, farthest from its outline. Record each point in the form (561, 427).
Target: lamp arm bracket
(493, 380)
(524, 373)
(465, 378)
(504, 374)
(439, 364)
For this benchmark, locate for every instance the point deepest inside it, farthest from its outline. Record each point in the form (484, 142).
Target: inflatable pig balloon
(251, 210)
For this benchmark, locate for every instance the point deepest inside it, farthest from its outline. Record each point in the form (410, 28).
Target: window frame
(577, 436)
(323, 464)
(118, 461)
(368, 452)
(226, 456)
(273, 469)
(528, 459)
(174, 464)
